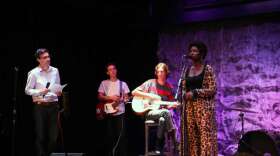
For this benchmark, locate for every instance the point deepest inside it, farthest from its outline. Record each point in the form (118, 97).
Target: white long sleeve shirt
(38, 79)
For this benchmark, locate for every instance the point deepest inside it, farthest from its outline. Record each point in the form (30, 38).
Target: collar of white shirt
(41, 70)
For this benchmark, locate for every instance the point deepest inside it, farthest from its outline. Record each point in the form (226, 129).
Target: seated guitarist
(158, 89)
(116, 92)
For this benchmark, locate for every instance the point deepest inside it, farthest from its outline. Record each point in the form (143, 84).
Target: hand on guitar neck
(150, 96)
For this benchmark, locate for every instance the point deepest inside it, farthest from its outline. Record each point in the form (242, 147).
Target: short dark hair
(40, 51)
(202, 48)
(109, 64)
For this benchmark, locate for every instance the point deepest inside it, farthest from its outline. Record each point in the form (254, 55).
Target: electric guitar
(107, 108)
(140, 105)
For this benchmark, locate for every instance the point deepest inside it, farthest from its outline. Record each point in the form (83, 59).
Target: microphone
(47, 86)
(189, 56)
(186, 56)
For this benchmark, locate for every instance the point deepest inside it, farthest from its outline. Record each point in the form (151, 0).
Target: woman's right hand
(189, 95)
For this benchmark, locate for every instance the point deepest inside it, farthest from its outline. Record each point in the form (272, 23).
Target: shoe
(159, 146)
(157, 152)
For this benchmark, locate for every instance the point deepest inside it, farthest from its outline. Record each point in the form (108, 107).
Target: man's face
(161, 74)
(44, 59)
(112, 71)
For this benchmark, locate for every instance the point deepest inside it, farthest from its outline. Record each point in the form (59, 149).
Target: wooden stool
(168, 142)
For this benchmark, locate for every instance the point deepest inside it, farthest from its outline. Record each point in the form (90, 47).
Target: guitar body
(105, 108)
(110, 109)
(140, 105)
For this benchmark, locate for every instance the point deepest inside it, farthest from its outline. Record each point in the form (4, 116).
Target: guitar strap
(121, 89)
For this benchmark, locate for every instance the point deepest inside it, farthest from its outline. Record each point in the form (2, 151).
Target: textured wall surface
(246, 60)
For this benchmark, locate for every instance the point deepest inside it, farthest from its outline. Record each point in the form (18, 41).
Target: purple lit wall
(246, 60)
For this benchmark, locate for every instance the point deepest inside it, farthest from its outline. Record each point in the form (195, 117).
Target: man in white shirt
(114, 91)
(45, 102)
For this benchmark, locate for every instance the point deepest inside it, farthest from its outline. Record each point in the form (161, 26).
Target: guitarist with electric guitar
(153, 99)
(113, 95)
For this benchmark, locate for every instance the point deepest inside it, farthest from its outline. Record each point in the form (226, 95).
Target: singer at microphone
(199, 96)
(45, 109)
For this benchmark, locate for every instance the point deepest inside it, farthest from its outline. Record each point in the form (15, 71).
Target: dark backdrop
(81, 38)
(81, 61)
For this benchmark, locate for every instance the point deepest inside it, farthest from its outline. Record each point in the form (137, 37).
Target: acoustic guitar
(140, 105)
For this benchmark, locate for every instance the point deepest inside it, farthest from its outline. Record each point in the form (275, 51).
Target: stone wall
(246, 60)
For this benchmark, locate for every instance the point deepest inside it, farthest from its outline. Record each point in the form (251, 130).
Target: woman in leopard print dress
(198, 123)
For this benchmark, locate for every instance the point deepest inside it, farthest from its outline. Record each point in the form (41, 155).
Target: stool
(148, 125)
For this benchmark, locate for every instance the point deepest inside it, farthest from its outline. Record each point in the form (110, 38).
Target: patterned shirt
(152, 86)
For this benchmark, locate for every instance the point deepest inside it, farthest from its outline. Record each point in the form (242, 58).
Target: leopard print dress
(198, 121)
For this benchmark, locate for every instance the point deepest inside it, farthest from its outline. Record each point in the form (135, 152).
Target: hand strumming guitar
(154, 97)
(115, 99)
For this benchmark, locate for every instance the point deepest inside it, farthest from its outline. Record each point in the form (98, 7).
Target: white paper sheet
(54, 88)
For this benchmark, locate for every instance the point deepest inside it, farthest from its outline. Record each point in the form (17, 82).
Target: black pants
(46, 128)
(116, 142)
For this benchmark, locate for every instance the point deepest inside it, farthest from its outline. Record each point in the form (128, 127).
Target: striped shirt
(152, 86)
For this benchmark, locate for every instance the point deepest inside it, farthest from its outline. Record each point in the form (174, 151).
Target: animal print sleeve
(209, 84)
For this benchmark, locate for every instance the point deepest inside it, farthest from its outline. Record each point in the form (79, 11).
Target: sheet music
(54, 88)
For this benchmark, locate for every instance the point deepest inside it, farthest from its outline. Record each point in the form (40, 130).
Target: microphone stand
(181, 99)
(14, 112)
(182, 76)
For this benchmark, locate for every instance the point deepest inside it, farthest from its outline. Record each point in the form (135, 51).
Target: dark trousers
(116, 142)
(46, 128)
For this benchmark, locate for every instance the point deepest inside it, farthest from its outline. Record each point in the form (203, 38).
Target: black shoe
(159, 146)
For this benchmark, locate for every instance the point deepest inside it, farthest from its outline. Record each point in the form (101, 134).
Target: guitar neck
(164, 102)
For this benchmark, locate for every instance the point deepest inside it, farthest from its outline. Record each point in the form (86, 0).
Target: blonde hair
(164, 66)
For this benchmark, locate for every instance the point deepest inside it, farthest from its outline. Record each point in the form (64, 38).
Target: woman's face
(194, 54)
